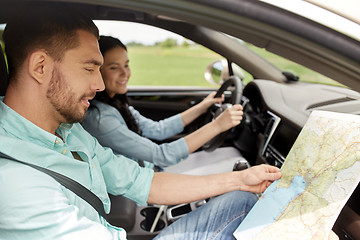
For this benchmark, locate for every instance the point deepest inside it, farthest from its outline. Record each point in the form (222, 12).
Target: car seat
(4, 79)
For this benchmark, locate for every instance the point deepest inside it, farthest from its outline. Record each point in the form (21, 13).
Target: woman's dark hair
(119, 101)
(107, 43)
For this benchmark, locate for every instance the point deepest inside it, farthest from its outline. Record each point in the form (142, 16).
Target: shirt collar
(21, 128)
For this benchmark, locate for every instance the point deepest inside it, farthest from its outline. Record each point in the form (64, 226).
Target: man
(54, 63)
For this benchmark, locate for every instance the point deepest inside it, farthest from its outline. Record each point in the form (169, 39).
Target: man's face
(76, 79)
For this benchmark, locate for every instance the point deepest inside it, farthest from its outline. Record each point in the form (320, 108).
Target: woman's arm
(160, 130)
(108, 126)
(194, 112)
(228, 119)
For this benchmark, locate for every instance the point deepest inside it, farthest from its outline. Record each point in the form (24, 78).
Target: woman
(119, 126)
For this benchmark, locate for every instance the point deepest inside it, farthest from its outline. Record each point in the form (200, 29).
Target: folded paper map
(319, 175)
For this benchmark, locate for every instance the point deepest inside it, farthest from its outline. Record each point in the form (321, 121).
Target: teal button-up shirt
(35, 206)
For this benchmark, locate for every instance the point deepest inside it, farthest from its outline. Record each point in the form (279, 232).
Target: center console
(150, 220)
(146, 222)
(279, 137)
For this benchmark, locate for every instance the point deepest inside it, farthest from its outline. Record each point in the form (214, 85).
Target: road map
(319, 175)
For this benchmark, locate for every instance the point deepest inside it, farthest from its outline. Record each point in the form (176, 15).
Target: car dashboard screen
(284, 138)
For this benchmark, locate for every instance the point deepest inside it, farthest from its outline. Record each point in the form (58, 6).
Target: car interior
(276, 107)
(3, 74)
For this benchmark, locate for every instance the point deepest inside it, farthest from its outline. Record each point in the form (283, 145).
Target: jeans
(217, 219)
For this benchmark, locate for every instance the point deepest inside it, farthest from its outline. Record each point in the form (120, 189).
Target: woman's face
(116, 71)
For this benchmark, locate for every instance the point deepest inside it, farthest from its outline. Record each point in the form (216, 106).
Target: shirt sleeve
(108, 126)
(122, 175)
(158, 130)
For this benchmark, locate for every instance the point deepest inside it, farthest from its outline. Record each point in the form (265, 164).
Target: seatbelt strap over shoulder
(70, 184)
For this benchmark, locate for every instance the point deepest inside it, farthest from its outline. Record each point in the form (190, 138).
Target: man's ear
(40, 66)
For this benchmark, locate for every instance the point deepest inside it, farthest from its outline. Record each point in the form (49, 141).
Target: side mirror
(217, 71)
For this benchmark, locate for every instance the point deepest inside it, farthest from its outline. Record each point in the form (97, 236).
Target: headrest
(4, 79)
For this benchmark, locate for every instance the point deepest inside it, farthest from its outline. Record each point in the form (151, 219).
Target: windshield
(305, 74)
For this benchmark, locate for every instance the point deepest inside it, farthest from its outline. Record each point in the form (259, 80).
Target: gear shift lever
(241, 164)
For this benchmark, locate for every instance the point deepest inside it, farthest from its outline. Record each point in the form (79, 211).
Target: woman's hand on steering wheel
(209, 101)
(230, 118)
(213, 113)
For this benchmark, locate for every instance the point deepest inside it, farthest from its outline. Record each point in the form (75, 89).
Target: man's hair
(52, 29)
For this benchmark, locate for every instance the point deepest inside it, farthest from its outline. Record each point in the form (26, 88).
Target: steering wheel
(214, 111)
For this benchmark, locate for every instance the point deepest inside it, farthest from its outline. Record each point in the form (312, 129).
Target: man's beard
(63, 99)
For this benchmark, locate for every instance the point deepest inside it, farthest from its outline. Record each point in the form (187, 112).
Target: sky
(129, 32)
(326, 12)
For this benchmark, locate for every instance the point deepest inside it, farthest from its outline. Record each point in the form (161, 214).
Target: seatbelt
(70, 184)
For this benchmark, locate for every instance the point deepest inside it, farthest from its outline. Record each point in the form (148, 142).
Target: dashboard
(276, 112)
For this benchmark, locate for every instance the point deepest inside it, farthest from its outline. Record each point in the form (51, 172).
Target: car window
(159, 57)
(2, 26)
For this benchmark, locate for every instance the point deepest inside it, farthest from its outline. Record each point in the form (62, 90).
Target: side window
(161, 58)
(2, 26)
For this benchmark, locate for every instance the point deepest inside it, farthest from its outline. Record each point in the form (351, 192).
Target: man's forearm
(171, 189)
(167, 188)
